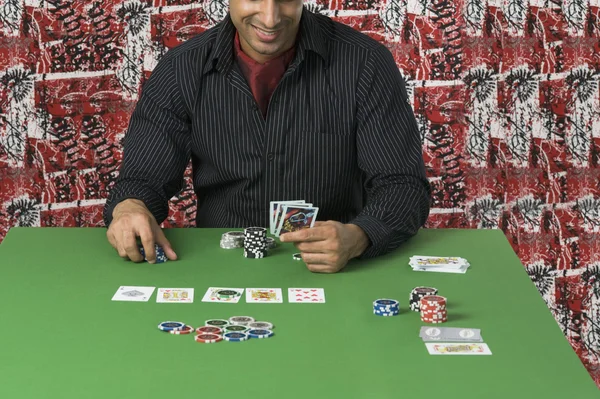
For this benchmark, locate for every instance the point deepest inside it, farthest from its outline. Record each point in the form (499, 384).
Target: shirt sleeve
(390, 155)
(156, 147)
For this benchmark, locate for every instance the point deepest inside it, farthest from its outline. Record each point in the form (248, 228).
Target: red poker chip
(208, 338)
(209, 330)
(185, 330)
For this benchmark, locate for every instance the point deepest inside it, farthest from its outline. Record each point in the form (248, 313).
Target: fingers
(147, 239)
(162, 241)
(129, 244)
(305, 235)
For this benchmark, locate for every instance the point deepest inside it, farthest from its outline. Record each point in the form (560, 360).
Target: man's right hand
(131, 219)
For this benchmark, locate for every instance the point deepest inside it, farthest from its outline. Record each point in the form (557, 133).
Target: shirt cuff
(153, 201)
(379, 235)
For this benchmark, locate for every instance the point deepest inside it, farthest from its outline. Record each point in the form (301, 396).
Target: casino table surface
(63, 337)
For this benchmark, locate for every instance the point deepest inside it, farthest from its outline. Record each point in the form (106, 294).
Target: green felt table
(63, 337)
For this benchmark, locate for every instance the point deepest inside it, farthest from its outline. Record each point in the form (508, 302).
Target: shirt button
(271, 156)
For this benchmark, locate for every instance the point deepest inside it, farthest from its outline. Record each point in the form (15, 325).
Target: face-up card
(296, 217)
(223, 295)
(280, 214)
(458, 349)
(425, 261)
(450, 334)
(306, 295)
(264, 295)
(175, 295)
(274, 208)
(133, 294)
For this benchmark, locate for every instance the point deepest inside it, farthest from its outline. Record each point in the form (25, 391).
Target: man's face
(267, 28)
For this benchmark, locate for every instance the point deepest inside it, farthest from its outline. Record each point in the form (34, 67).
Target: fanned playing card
(296, 217)
(223, 295)
(175, 295)
(264, 295)
(306, 295)
(274, 209)
(458, 349)
(133, 294)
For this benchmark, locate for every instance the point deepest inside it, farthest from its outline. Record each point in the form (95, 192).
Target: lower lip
(266, 38)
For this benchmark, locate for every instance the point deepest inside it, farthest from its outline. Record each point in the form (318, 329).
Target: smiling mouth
(266, 32)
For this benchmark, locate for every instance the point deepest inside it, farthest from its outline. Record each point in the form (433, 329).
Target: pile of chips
(255, 242)
(433, 309)
(236, 239)
(235, 329)
(232, 239)
(417, 294)
(386, 307)
(160, 253)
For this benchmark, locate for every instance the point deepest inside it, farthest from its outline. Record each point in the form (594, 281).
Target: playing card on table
(133, 294)
(439, 264)
(295, 217)
(450, 334)
(458, 349)
(274, 209)
(264, 295)
(175, 295)
(212, 295)
(306, 295)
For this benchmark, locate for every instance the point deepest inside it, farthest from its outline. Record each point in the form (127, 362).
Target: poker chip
(216, 323)
(297, 256)
(235, 337)
(386, 307)
(417, 294)
(271, 244)
(260, 333)
(236, 328)
(260, 325)
(255, 242)
(433, 309)
(232, 239)
(209, 330)
(227, 294)
(171, 325)
(184, 330)
(240, 320)
(208, 338)
(159, 252)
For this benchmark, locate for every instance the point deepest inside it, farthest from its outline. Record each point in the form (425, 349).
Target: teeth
(267, 33)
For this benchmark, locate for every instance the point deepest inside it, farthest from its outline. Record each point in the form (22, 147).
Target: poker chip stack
(433, 309)
(236, 329)
(255, 242)
(232, 239)
(160, 253)
(386, 307)
(417, 294)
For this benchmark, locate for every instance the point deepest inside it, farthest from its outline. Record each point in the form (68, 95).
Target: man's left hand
(328, 246)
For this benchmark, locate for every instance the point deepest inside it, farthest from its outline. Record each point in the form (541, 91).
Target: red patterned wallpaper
(506, 93)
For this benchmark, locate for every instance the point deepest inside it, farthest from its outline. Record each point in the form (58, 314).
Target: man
(275, 103)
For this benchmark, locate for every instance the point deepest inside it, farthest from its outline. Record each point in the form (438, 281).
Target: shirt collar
(311, 39)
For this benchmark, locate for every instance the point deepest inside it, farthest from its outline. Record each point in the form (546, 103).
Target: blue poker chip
(386, 313)
(235, 336)
(386, 303)
(260, 333)
(171, 326)
(159, 252)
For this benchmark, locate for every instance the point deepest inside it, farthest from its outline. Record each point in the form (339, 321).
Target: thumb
(162, 241)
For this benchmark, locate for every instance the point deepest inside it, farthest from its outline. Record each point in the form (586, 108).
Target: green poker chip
(236, 329)
(216, 323)
(227, 294)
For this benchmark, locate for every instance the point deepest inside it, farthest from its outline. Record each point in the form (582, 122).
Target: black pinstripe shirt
(339, 133)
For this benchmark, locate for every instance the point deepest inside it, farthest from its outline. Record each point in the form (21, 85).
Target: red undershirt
(262, 78)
